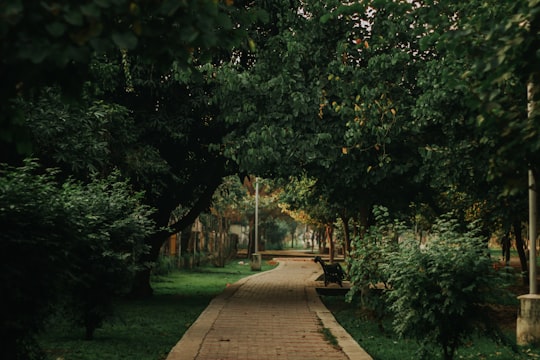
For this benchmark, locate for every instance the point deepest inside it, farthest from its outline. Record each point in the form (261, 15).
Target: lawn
(146, 329)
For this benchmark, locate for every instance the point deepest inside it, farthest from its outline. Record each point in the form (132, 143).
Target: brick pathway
(270, 315)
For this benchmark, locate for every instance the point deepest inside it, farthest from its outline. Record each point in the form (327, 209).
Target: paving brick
(270, 315)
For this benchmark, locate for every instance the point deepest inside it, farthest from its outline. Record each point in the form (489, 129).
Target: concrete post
(256, 262)
(528, 321)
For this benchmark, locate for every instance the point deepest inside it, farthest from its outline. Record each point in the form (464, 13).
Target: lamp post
(256, 215)
(532, 233)
(528, 321)
(256, 257)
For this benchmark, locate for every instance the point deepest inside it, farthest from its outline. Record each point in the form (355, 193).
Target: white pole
(532, 234)
(531, 105)
(256, 215)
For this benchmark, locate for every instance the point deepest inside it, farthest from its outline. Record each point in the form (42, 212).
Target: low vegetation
(383, 343)
(146, 329)
(441, 293)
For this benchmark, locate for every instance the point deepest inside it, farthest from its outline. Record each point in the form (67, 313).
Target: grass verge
(146, 329)
(383, 344)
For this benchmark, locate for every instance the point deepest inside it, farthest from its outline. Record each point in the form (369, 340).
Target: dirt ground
(507, 315)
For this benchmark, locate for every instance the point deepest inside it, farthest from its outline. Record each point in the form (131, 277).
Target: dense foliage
(437, 291)
(125, 85)
(388, 102)
(420, 106)
(66, 244)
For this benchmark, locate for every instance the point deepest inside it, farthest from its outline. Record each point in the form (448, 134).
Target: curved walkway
(275, 314)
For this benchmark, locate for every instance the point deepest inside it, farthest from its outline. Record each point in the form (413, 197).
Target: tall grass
(146, 329)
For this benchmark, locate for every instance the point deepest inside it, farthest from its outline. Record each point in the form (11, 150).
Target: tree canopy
(406, 104)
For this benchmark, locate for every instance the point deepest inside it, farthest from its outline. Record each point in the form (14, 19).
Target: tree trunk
(506, 243)
(165, 206)
(520, 246)
(321, 240)
(221, 253)
(364, 220)
(346, 235)
(330, 240)
(312, 241)
(251, 241)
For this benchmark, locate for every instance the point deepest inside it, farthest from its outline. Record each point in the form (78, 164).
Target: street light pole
(532, 94)
(532, 233)
(256, 215)
(256, 258)
(527, 327)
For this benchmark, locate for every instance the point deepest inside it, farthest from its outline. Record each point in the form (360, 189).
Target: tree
(142, 103)
(54, 43)
(477, 99)
(335, 108)
(229, 205)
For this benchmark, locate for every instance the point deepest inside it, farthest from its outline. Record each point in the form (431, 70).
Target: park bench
(333, 273)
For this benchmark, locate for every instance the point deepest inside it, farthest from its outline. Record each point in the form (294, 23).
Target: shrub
(108, 228)
(72, 242)
(33, 260)
(368, 280)
(440, 294)
(164, 265)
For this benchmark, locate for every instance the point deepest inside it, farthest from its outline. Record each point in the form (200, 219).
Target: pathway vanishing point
(275, 314)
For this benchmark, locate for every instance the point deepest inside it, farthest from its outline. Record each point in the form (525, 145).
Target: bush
(441, 294)
(108, 228)
(368, 279)
(71, 242)
(164, 265)
(438, 294)
(34, 264)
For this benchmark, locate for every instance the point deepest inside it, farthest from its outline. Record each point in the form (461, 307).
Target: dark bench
(333, 273)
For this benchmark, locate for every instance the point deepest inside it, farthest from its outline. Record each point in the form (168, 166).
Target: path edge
(190, 343)
(348, 345)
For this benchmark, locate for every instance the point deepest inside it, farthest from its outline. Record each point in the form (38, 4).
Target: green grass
(496, 254)
(329, 337)
(383, 344)
(146, 329)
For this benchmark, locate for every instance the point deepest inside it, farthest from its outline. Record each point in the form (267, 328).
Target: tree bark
(346, 235)
(520, 246)
(330, 240)
(506, 245)
(141, 287)
(141, 283)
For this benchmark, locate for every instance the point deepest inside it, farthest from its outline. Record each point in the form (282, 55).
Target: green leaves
(54, 240)
(437, 291)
